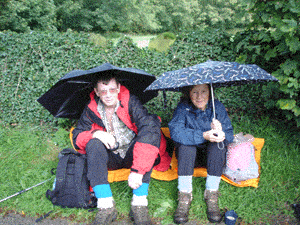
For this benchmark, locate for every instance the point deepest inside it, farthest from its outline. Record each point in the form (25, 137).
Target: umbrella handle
(223, 146)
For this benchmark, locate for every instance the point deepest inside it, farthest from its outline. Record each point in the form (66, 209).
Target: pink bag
(240, 159)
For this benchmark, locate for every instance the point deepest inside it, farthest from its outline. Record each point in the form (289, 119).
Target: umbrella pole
(213, 99)
(214, 110)
(165, 99)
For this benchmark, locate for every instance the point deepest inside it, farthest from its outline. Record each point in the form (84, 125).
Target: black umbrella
(217, 73)
(68, 97)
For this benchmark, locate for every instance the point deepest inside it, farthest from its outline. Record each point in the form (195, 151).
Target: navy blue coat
(189, 123)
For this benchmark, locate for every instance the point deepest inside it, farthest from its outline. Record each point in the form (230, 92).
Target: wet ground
(17, 219)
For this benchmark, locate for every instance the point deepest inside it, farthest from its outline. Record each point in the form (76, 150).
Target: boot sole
(180, 222)
(215, 221)
(132, 219)
(111, 218)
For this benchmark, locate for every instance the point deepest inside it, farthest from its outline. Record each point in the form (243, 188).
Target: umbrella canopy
(68, 97)
(218, 73)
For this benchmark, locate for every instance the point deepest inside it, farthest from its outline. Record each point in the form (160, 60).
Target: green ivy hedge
(32, 62)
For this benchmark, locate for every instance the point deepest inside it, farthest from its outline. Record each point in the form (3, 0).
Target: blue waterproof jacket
(189, 123)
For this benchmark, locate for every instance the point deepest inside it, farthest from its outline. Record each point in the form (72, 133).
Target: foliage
(272, 41)
(100, 40)
(219, 13)
(131, 16)
(22, 16)
(197, 46)
(162, 42)
(32, 62)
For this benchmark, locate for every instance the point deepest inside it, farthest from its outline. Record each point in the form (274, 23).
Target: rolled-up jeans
(100, 160)
(205, 155)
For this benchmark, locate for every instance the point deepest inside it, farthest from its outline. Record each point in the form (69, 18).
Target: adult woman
(195, 131)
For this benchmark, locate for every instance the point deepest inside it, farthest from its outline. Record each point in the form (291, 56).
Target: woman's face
(200, 95)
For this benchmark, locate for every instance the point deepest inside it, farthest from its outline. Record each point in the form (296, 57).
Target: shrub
(272, 42)
(31, 63)
(100, 40)
(162, 42)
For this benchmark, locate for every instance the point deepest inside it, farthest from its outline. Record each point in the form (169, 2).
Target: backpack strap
(79, 169)
(61, 171)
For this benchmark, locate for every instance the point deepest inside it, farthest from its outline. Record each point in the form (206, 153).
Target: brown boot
(105, 216)
(213, 211)
(139, 215)
(183, 207)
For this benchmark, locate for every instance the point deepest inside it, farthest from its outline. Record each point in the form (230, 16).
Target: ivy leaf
(289, 66)
(289, 26)
(271, 53)
(295, 7)
(296, 110)
(293, 43)
(287, 104)
(297, 74)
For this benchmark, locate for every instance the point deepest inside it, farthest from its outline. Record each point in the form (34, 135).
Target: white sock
(139, 200)
(212, 182)
(105, 203)
(185, 184)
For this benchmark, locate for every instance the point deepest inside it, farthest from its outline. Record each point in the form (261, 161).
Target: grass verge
(28, 153)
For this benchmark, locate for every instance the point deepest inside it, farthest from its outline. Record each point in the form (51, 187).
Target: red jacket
(150, 141)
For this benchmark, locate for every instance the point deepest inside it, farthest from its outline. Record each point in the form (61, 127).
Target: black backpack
(72, 188)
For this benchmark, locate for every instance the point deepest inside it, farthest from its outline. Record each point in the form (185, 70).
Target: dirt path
(17, 219)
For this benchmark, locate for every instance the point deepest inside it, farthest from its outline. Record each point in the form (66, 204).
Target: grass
(135, 38)
(28, 153)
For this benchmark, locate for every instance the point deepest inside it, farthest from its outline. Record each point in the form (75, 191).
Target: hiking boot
(139, 215)
(213, 211)
(105, 216)
(183, 207)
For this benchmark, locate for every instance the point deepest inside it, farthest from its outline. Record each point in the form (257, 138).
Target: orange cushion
(171, 173)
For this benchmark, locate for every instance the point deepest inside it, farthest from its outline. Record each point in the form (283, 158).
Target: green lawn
(28, 153)
(136, 38)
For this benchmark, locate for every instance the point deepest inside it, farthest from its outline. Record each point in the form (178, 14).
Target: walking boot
(213, 211)
(139, 215)
(105, 216)
(183, 207)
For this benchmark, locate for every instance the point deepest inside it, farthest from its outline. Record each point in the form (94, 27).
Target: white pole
(20, 192)
(214, 110)
(213, 99)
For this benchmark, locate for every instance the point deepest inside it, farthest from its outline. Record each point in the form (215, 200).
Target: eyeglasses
(111, 91)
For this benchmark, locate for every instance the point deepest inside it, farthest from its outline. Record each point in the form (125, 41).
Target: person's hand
(216, 125)
(106, 138)
(214, 135)
(135, 180)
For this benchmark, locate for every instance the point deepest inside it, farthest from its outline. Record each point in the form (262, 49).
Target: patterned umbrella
(216, 73)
